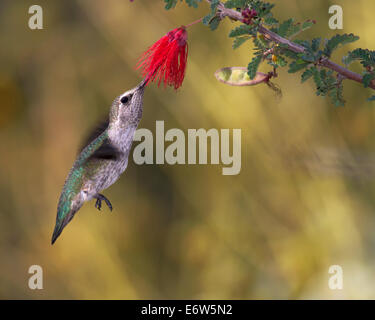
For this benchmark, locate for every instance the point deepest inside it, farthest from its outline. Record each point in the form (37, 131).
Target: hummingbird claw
(98, 204)
(99, 197)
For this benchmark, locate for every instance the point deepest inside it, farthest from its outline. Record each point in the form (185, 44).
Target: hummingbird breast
(109, 171)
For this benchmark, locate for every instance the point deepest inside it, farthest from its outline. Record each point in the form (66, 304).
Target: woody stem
(324, 62)
(194, 22)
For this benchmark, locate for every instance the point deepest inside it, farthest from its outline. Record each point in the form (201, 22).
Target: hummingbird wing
(95, 133)
(105, 151)
(98, 148)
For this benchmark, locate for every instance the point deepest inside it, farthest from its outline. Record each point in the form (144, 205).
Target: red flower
(248, 15)
(166, 59)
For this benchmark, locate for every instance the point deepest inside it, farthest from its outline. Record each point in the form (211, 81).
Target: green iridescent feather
(83, 166)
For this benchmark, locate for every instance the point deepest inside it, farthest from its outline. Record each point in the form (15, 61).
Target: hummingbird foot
(98, 204)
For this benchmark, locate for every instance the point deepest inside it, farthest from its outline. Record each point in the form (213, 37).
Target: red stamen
(165, 61)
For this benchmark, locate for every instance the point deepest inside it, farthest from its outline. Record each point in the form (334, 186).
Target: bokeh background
(303, 201)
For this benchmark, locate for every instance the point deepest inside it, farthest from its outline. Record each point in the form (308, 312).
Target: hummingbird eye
(124, 99)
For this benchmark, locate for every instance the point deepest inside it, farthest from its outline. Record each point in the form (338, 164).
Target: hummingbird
(103, 158)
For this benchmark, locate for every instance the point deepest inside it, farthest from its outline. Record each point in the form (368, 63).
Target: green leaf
(238, 76)
(348, 59)
(208, 18)
(297, 28)
(307, 24)
(230, 4)
(169, 4)
(280, 61)
(260, 42)
(337, 40)
(318, 80)
(315, 44)
(326, 84)
(262, 8)
(308, 73)
(214, 23)
(239, 41)
(290, 54)
(284, 27)
(294, 30)
(193, 3)
(367, 78)
(270, 21)
(297, 66)
(240, 30)
(252, 67)
(304, 43)
(308, 56)
(365, 56)
(336, 96)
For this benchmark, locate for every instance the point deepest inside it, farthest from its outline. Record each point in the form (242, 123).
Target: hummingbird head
(127, 108)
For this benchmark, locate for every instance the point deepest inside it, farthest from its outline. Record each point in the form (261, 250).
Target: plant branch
(272, 36)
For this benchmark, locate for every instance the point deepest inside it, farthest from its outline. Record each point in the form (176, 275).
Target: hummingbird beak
(142, 84)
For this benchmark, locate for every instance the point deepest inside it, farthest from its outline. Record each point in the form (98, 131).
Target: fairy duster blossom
(165, 61)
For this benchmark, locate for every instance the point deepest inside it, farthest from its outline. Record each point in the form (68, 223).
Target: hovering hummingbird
(103, 159)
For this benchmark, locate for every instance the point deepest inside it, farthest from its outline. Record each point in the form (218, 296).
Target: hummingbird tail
(60, 225)
(56, 234)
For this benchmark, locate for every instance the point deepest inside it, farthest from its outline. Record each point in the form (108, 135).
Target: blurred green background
(182, 231)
